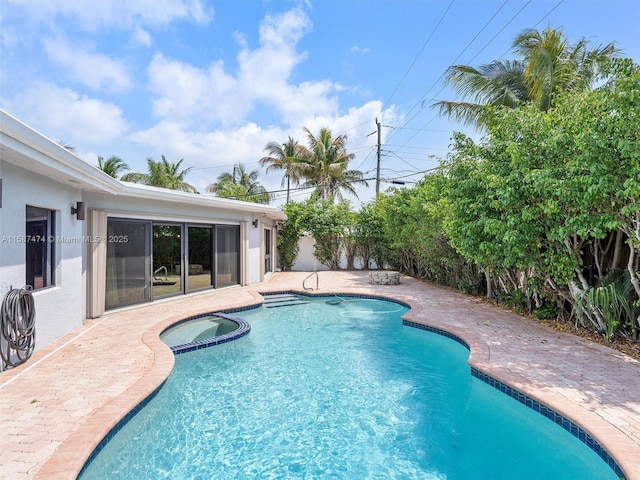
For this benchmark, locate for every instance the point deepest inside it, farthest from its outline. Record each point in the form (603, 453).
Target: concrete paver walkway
(57, 407)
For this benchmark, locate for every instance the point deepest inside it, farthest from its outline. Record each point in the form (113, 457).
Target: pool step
(283, 300)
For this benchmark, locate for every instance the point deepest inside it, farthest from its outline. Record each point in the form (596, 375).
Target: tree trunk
(617, 251)
(633, 273)
(489, 285)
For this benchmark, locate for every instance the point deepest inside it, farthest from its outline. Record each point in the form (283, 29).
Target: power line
(500, 31)
(421, 100)
(482, 49)
(417, 56)
(294, 189)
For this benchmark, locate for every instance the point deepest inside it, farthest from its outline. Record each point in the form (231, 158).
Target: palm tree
(554, 66)
(241, 185)
(113, 166)
(499, 83)
(325, 166)
(285, 157)
(548, 66)
(163, 174)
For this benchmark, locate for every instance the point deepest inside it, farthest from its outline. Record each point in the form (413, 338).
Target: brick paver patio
(57, 407)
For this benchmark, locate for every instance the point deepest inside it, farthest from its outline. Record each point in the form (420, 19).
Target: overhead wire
(424, 45)
(421, 100)
(485, 46)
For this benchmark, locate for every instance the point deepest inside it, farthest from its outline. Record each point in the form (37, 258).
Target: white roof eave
(27, 148)
(136, 190)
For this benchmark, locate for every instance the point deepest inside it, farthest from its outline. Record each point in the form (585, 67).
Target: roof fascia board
(144, 191)
(30, 143)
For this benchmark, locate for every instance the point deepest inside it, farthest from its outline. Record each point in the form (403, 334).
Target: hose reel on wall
(17, 327)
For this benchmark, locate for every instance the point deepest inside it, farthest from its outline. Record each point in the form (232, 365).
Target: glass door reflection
(167, 260)
(200, 251)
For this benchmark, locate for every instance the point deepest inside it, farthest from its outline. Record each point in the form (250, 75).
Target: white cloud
(72, 118)
(192, 95)
(97, 14)
(359, 50)
(210, 153)
(266, 71)
(94, 70)
(141, 36)
(212, 96)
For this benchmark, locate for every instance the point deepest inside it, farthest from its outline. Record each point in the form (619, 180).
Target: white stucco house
(87, 243)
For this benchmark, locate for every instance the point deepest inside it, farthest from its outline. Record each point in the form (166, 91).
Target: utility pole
(378, 163)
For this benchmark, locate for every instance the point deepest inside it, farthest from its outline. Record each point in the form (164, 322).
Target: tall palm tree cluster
(323, 165)
(547, 66)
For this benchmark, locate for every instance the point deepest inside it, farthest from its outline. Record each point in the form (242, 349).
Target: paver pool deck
(57, 407)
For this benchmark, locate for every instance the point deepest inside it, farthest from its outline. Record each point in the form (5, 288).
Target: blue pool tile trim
(117, 427)
(552, 415)
(526, 400)
(439, 331)
(241, 331)
(341, 295)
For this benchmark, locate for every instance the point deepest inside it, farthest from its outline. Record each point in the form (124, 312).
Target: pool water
(337, 389)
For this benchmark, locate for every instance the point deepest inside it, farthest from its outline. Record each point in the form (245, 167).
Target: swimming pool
(337, 388)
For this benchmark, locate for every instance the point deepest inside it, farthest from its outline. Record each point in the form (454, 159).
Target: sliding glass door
(200, 257)
(167, 260)
(128, 266)
(147, 260)
(227, 255)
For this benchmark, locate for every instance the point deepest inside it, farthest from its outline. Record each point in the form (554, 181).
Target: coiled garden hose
(17, 327)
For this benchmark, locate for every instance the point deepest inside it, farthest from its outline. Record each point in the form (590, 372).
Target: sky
(213, 82)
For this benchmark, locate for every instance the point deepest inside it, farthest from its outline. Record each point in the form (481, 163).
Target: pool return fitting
(17, 327)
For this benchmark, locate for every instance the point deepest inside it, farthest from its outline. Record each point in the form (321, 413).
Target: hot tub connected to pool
(202, 331)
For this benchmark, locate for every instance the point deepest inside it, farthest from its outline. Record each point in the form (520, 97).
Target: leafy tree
(113, 166)
(328, 223)
(604, 129)
(369, 235)
(416, 242)
(163, 174)
(285, 157)
(544, 190)
(350, 245)
(548, 65)
(240, 185)
(325, 166)
(289, 234)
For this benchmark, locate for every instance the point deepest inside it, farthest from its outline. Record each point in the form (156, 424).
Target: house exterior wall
(61, 307)
(38, 172)
(254, 255)
(121, 206)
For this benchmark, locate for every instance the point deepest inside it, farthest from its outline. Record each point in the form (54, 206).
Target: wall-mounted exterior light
(78, 210)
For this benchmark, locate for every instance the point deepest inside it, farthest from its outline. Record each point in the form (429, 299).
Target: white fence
(307, 262)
